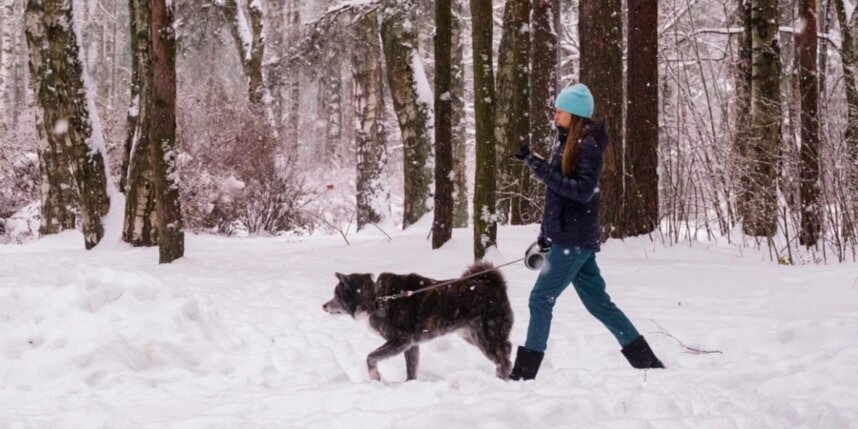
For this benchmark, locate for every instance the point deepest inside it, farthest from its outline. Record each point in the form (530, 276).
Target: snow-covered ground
(233, 336)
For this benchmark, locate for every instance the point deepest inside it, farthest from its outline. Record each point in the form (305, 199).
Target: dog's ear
(344, 279)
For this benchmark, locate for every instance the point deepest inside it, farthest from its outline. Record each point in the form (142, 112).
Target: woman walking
(571, 234)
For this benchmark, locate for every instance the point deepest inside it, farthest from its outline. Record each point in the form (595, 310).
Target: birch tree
(370, 134)
(64, 121)
(412, 101)
(760, 208)
(138, 174)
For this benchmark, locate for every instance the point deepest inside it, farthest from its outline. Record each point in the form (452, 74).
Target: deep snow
(233, 336)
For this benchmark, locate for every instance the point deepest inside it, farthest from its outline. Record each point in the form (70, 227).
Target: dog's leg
(412, 360)
(389, 349)
(495, 346)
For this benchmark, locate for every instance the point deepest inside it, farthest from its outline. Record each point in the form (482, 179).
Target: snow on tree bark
(412, 101)
(370, 136)
(140, 220)
(250, 40)
(849, 43)
(64, 124)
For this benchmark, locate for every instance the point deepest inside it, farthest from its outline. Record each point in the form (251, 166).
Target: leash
(409, 293)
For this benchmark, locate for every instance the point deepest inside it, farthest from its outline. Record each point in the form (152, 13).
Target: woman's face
(562, 119)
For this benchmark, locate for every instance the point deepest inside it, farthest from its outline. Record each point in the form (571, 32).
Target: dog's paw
(374, 375)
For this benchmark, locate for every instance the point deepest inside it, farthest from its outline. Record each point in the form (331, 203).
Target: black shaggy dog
(477, 308)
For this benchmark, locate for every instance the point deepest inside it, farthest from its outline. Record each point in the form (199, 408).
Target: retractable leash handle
(534, 257)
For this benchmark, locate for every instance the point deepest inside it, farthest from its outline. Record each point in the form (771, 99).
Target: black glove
(543, 244)
(523, 152)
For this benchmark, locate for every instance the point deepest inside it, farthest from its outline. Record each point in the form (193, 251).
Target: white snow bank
(233, 335)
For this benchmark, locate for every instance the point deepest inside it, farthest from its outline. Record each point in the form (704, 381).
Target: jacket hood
(600, 134)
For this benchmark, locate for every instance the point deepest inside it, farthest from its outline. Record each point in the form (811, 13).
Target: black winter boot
(640, 355)
(526, 364)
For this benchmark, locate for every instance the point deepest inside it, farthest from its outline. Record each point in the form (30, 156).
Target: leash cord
(409, 293)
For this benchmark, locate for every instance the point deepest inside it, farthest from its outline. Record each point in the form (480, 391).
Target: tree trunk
(8, 30)
(641, 208)
(485, 218)
(743, 105)
(412, 98)
(64, 118)
(370, 136)
(601, 31)
(332, 107)
(162, 132)
(459, 140)
(760, 217)
(141, 223)
(293, 122)
(513, 109)
(459, 137)
(849, 43)
(249, 39)
(543, 88)
(442, 226)
(806, 44)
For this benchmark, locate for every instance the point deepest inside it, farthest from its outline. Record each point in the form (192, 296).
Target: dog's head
(353, 294)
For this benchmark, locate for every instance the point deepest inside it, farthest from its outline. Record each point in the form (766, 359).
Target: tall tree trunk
(742, 79)
(485, 218)
(459, 140)
(370, 136)
(600, 28)
(806, 44)
(64, 118)
(543, 87)
(331, 85)
(8, 30)
(641, 208)
(442, 226)
(162, 132)
(138, 175)
(849, 43)
(760, 217)
(249, 40)
(513, 109)
(293, 122)
(503, 105)
(412, 100)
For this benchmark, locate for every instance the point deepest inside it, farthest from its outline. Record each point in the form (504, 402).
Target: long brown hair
(577, 130)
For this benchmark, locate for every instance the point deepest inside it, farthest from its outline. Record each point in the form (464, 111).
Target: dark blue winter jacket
(571, 214)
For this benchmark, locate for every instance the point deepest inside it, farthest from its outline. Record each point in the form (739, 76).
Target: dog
(477, 308)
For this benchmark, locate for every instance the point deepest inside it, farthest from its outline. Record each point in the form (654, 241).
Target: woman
(571, 234)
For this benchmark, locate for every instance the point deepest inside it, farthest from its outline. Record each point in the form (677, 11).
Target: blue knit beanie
(576, 100)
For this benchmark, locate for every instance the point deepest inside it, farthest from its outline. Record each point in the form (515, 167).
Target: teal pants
(577, 266)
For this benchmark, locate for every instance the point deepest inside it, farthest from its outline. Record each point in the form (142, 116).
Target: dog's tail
(490, 274)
